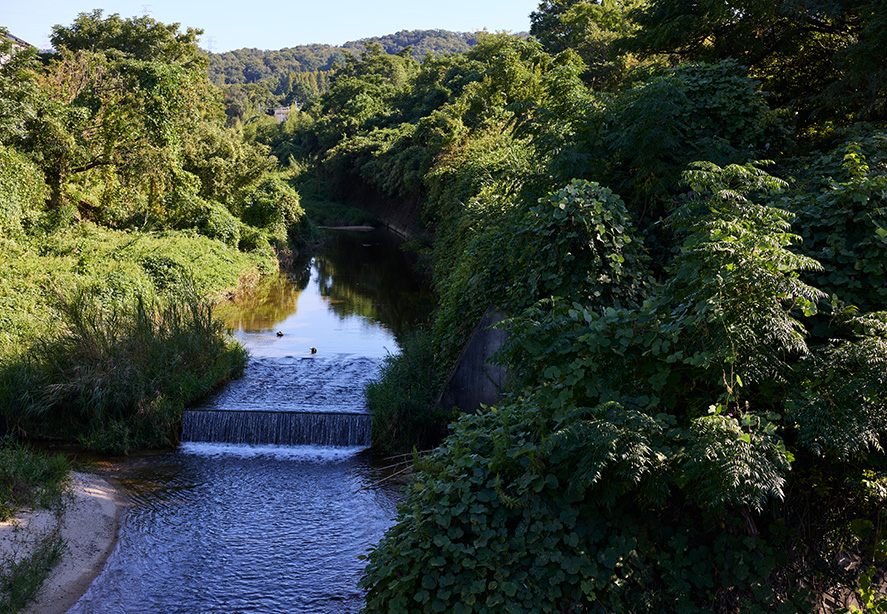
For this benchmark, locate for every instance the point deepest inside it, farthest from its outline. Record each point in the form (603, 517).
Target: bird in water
(313, 350)
(280, 333)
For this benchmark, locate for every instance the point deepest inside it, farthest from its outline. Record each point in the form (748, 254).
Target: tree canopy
(814, 56)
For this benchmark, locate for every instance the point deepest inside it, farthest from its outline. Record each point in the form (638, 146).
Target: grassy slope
(34, 271)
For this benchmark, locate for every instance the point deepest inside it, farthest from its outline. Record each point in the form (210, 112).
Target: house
(17, 45)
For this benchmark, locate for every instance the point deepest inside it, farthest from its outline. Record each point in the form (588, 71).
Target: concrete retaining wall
(475, 382)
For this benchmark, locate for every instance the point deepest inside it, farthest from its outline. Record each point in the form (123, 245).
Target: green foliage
(139, 353)
(361, 92)
(644, 138)
(122, 115)
(590, 29)
(29, 479)
(22, 192)
(252, 65)
(402, 397)
(122, 373)
(579, 245)
(272, 205)
(841, 409)
(223, 162)
(137, 37)
(17, 90)
(496, 519)
(674, 424)
(736, 288)
(810, 55)
(844, 224)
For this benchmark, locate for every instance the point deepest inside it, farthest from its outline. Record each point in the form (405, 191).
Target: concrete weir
(474, 381)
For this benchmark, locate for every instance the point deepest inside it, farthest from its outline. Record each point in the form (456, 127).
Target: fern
(735, 289)
(616, 448)
(725, 466)
(842, 409)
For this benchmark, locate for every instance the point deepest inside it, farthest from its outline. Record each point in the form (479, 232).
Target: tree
(121, 99)
(590, 28)
(802, 51)
(141, 38)
(363, 89)
(17, 89)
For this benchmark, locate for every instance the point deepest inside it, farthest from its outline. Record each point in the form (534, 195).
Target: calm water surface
(235, 528)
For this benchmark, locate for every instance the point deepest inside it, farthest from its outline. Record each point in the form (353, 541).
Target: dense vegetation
(681, 207)
(682, 210)
(125, 206)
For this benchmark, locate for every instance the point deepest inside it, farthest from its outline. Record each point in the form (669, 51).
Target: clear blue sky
(233, 24)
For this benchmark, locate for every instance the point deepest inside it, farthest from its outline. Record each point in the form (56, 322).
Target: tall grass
(120, 374)
(29, 479)
(403, 396)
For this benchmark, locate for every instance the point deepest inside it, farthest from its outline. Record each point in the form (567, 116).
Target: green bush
(844, 222)
(661, 456)
(402, 398)
(208, 218)
(22, 192)
(496, 520)
(122, 373)
(272, 205)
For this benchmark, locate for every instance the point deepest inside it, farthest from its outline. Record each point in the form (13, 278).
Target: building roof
(17, 41)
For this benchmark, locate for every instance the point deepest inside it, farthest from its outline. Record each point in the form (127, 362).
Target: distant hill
(244, 66)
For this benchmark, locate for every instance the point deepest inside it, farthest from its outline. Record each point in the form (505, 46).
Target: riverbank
(88, 525)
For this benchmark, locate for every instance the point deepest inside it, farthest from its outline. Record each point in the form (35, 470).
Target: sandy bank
(89, 527)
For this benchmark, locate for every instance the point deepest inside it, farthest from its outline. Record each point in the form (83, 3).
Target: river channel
(257, 527)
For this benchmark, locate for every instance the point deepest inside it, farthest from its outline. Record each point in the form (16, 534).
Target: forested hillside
(296, 74)
(681, 208)
(254, 65)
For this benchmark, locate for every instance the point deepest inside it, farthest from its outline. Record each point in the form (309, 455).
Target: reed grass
(401, 399)
(121, 373)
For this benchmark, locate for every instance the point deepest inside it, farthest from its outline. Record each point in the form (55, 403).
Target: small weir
(289, 401)
(284, 428)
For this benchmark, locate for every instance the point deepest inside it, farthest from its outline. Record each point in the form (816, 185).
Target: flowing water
(272, 497)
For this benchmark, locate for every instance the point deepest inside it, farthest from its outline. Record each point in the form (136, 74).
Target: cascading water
(244, 516)
(278, 428)
(290, 401)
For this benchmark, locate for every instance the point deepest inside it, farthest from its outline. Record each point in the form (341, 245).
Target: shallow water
(215, 527)
(228, 528)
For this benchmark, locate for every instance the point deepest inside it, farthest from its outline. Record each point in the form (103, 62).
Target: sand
(88, 526)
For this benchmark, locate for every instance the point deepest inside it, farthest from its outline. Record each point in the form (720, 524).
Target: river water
(235, 527)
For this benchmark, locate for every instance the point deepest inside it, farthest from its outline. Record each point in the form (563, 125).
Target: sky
(234, 24)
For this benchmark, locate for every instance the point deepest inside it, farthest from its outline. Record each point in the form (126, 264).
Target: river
(256, 527)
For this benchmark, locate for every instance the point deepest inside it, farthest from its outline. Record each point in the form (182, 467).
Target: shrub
(273, 206)
(22, 192)
(656, 457)
(401, 399)
(498, 520)
(844, 223)
(122, 373)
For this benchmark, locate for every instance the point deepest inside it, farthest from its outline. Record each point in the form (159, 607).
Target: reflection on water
(358, 295)
(235, 528)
